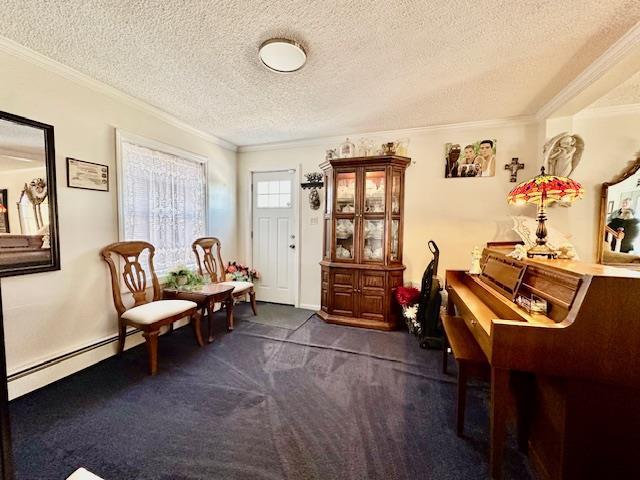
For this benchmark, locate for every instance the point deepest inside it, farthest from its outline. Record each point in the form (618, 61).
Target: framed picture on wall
(4, 211)
(87, 175)
(477, 159)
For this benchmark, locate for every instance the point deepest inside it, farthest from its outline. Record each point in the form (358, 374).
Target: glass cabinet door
(395, 193)
(345, 215)
(374, 191)
(395, 240)
(373, 234)
(346, 192)
(373, 225)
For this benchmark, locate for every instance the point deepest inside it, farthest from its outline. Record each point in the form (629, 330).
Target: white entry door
(274, 240)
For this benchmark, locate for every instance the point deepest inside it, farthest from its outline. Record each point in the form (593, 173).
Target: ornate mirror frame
(633, 167)
(53, 262)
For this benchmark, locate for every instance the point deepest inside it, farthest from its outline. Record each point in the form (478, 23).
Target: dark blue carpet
(321, 402)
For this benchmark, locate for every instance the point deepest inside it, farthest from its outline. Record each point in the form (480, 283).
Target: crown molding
(613, 55)
(406, 132)
(608, 111)
(24, 53)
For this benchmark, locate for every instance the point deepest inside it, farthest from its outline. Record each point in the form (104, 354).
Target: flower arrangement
(407, 298)
(183, 278)
(236, 272)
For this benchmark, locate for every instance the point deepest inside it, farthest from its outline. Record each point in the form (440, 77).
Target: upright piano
(570, 377)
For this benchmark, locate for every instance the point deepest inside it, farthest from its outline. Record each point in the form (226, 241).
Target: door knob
(292, 246)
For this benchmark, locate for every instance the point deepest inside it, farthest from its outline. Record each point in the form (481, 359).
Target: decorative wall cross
(514, 166)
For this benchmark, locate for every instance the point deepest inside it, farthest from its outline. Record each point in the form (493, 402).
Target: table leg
(210, 321)
(229, 307)
(499, 406)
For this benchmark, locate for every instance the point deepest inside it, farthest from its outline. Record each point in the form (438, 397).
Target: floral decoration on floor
(407, 298)
(236, 272)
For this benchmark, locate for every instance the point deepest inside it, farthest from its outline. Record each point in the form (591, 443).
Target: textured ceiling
(627, 93)
(373, 65)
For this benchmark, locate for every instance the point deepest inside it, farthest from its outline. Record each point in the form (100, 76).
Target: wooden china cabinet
(363, 224)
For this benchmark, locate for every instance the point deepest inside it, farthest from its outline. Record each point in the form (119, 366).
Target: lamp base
(541, 251)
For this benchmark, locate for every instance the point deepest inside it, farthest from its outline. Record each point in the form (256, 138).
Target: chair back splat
(213, 266)
(134, 275)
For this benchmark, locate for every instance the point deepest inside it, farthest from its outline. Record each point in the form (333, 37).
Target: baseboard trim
(308, 306)
(66, 356)
(45, 372)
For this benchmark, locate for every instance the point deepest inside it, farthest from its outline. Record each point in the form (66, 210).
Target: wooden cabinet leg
(462, 397)
(151, 339)
(229, 307)
(499, 406)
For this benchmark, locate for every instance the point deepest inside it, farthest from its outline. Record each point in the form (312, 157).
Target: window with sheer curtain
(163, 201)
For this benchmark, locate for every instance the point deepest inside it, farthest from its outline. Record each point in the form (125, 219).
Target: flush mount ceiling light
(282, 55)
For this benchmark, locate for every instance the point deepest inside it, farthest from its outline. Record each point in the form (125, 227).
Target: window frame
(123, 136)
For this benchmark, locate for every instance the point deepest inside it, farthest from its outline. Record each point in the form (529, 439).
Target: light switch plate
(313, 221)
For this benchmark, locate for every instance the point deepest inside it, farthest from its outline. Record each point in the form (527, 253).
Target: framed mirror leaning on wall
(28, 213)
(619, 234)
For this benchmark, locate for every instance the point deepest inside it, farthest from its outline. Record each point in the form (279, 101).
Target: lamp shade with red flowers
(541, 190)
(544, 188)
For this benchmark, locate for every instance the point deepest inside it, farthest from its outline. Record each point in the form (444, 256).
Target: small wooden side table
(206, 296)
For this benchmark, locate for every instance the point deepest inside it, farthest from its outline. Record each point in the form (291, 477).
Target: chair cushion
(83, 474)
(154, 311)
(238, 286)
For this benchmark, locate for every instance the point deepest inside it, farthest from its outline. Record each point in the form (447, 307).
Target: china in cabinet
(362, 253)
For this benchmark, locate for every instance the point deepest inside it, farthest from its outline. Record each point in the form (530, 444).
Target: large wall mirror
(619, 235)
(28, 215)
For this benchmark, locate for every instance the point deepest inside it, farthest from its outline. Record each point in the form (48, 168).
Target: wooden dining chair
(146, 315)
(214, 268)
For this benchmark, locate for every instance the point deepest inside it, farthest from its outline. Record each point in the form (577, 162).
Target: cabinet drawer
(344, 277)
(372, 280)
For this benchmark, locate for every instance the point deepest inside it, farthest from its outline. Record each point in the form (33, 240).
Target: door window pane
(274, 194)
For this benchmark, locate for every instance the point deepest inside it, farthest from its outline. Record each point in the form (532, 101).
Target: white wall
(611, 141)
(49, 314)
(457, 213)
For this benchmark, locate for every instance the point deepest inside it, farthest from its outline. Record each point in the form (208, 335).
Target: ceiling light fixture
(282, 55)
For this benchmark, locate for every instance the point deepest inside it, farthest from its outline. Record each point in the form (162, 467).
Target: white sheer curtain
(163, 203)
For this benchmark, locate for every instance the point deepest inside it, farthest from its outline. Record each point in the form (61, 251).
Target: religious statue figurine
(562, 154)
(476, 254)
